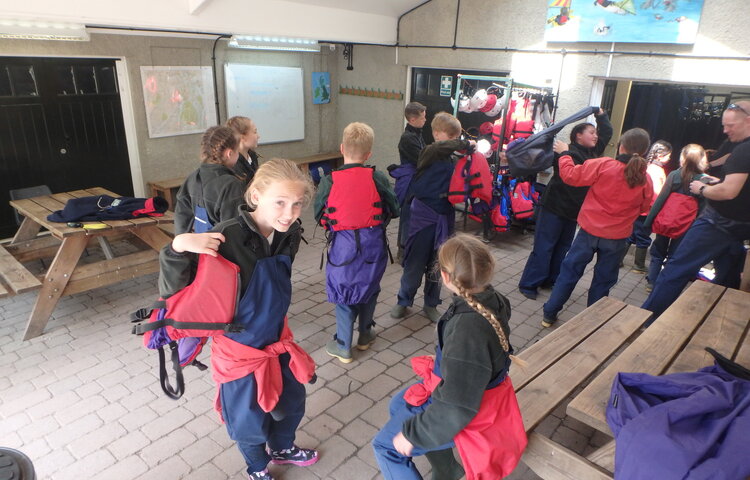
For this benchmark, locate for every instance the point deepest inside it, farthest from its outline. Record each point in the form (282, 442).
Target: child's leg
(415, 263)
(393, 465)
(606, 269)
(571, 270)
(255, 456)
(345, 316)
(366, 322)
(659, 249)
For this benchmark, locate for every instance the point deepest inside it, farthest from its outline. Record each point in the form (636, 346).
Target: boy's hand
(402, 445)
(207, 243)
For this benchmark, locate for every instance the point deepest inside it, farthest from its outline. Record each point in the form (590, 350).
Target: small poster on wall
(178, 100)
(321, 87)
(623, 21)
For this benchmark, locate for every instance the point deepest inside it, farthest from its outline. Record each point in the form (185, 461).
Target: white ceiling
(365, 21)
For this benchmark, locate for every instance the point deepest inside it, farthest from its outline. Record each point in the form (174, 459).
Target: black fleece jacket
(472, 357)
(562, 199)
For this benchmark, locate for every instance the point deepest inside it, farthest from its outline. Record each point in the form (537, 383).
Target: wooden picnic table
(66, 275)
(590, 349)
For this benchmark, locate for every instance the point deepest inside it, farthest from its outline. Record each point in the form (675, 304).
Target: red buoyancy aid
(471, 179)
(522, 200)
(676, 216)
(183, 322)
(354, 201)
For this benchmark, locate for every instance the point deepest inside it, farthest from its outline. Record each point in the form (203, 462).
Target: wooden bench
(166, 189)
(334, 159)
(15, 276)
(558, 365)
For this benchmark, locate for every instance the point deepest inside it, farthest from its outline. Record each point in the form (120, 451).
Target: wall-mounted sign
(446, 85)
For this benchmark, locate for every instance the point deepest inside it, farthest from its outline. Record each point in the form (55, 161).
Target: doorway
(62, 126)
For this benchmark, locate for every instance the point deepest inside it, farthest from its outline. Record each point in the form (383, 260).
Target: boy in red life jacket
(430, 215)
(354, 204)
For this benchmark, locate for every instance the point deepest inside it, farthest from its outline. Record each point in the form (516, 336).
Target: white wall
(519, 24)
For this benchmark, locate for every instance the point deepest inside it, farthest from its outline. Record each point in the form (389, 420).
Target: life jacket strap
(172, 392)
(225, 327)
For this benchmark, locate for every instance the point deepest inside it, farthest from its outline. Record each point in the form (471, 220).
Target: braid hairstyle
(215, 141)
(469, 266)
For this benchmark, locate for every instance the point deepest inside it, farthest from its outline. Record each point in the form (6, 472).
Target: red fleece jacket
(611, 206)
(231, 360)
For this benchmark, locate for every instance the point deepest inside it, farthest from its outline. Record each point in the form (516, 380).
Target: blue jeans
(419, 263)
(552, 238)
(393, 465)
(641, 235)
(711, 237)
(662, 248)
(585, 246)
(347, 314)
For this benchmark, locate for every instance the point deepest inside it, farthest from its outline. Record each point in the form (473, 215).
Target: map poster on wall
(623, 21)
(179, 100)
(321, 87)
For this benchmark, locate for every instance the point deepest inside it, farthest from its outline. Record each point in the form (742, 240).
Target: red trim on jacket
(611, 206)
(232, 360)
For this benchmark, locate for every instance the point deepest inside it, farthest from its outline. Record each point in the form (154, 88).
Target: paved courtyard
(84, 402)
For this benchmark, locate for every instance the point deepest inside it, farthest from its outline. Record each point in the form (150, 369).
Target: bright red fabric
(611, 206)
(491, 444)
(676, 216)
(231, 360)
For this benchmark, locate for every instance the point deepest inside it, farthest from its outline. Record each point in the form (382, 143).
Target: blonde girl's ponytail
(635, 142)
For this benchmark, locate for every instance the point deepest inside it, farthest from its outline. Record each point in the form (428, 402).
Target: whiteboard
(272, 97)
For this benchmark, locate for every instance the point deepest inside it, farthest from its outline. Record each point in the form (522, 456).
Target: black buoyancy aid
(204, 308)
(354, 201)
(201, 222)
(471, 179)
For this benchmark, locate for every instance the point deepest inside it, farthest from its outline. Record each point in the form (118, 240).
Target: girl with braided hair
(466, 398)
(212, 193)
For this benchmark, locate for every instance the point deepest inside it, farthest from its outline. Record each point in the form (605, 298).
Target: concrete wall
(168, 157)
(519, 24)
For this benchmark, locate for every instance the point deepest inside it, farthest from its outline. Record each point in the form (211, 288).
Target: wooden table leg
(28, 230)
(153, 236)
(55, 281)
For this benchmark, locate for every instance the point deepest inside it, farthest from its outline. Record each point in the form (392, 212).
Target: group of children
(248, 214)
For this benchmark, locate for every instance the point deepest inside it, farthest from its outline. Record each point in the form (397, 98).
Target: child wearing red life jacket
(355, 203)
(682, 209)
(466, 398)
(430, 215)
(259, 371)
(620, 190)
(212, 193)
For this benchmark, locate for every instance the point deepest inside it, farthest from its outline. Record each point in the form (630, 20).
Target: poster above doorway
(623, 21)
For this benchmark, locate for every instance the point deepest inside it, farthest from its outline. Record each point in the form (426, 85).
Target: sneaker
(530, 294)
(365, 339)
(262, 475)
(431, 313)
(302, 457)
(548, 322)
(398, 311)
(334, 349)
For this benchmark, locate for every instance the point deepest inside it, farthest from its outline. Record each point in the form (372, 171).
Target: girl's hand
(402, 445)
(560, 146)
(207, 243)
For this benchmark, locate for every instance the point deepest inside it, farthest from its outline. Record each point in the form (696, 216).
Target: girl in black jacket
(212, 193)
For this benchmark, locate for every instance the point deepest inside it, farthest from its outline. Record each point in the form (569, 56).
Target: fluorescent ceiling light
(264, 42)
(41, 30)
